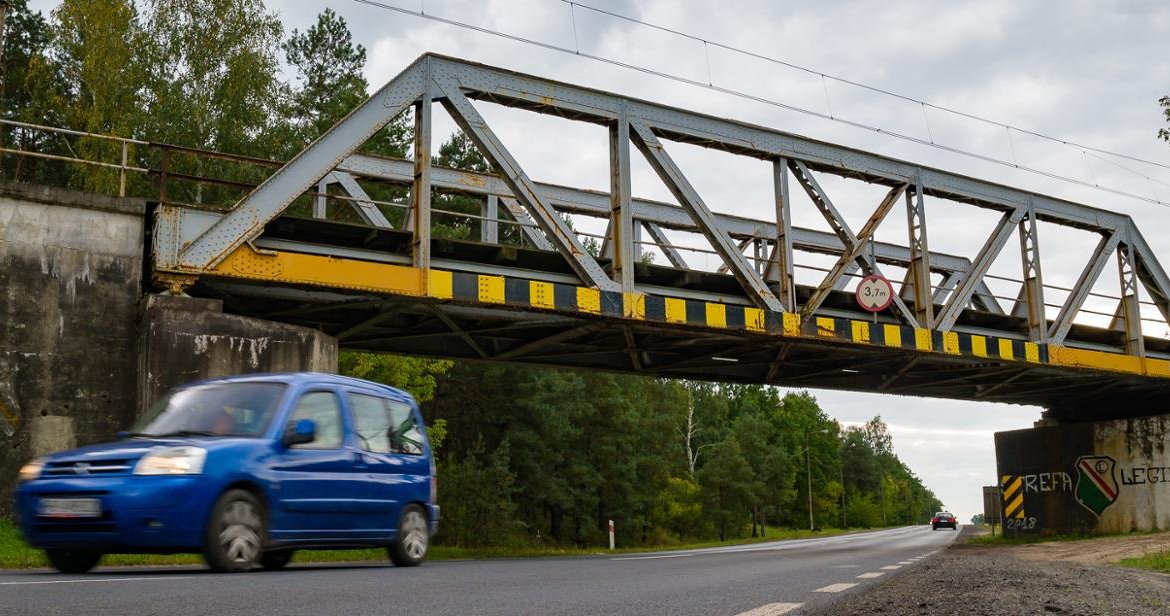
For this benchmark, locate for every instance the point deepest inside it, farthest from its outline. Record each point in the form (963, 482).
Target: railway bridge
(532, 287)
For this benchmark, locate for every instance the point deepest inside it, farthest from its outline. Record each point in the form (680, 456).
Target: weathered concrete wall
(1103, 477)
(70, 279)
(186, 339)
(78, 360)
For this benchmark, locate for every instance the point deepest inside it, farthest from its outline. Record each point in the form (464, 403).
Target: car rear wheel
(235, 533)
(274, 560)
(73, 561)
(413, 538)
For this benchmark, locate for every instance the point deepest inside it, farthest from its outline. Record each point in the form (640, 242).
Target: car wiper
(186, 433)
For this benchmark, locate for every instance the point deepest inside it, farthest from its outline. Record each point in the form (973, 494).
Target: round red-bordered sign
(874, 293)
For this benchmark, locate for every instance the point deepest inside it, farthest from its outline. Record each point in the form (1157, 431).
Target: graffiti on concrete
(1096, 483)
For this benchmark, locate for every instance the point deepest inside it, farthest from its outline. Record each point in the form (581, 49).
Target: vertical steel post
(621, 212)
(785, 287)
(125, 144)
(918, 271)
(1130, 309)
(1033, 289)
(489, 228)
(319, 205)
(420, 190)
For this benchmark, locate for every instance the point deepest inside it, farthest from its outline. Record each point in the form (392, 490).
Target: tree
(98, 47)
(728, 488)
(476, 498)
(31, 89)
(1164, 133)
(214, 86)
(328, 80)
(415, 375)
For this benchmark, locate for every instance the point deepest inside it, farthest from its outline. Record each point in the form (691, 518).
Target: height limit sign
(875, 293)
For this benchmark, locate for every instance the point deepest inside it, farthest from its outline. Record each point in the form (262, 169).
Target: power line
(775, 103)
(863, 86)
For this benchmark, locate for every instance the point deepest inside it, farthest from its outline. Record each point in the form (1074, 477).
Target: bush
(476, 498)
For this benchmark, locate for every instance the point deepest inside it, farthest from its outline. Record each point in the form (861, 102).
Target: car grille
(79, 468)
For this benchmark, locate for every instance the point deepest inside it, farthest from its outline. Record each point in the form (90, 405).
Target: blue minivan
(244, 470)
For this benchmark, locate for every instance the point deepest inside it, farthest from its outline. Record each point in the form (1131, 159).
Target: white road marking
(132, 579)
(772, 609)
(836, 587)
(651, 557)
(906, 562)
(891, 567)
(871, 575)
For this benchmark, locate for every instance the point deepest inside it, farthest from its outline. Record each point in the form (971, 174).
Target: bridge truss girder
(196, 244)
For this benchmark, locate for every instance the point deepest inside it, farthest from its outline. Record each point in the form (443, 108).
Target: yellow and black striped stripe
(346, 273)
(1012, 487)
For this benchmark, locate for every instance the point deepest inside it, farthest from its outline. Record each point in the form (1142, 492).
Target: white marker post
(611, 534)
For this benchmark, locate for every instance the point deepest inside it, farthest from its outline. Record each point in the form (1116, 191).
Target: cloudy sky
(1084, 72)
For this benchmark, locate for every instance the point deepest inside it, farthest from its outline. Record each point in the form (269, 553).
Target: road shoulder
(999, 580)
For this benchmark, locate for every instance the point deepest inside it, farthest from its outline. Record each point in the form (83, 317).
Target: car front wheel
(73, 561)
(410, 544)
(235, 533)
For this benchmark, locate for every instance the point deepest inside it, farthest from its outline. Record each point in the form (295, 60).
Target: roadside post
(611, 534)
(991, 506)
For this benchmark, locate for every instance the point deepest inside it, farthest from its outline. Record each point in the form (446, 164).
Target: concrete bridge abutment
(83, 350)
(185, 339)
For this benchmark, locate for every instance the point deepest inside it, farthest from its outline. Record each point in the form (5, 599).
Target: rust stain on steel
(468, 179)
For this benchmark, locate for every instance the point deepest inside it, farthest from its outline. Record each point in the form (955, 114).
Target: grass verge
(1153, 562)
(15, 554)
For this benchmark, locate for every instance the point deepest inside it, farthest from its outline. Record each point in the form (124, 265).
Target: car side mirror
(299, 432)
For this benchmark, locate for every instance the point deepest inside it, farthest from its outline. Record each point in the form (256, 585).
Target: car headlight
(31, 471)
(185, 460)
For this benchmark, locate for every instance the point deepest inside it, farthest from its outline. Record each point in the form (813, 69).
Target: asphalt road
(763, 579)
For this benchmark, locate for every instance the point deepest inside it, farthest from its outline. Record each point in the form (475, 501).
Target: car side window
(406, 436)
(322, 408)
(371, 422)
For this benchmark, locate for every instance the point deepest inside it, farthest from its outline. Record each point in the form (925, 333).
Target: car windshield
(220, 409)
(942, 514)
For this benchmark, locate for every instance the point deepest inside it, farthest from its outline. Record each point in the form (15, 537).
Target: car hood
(134, 448)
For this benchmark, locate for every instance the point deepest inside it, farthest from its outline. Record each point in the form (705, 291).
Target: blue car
(244, 470)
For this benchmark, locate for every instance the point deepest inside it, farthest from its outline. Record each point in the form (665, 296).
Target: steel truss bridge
(550, 302)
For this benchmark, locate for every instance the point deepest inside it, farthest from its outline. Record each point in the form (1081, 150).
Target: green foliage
(978, 519)
(31, 90)
(96, 44)
(863, 511)
(476, 498)
(678, 508)
(728, 488)
(1164, 133)
(415, 375)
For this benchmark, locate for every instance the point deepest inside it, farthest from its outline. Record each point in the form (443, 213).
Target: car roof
(304, 378)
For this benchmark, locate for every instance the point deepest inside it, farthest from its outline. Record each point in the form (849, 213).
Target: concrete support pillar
(185, 339)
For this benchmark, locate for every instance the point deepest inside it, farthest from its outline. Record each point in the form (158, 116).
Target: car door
(410, 466)
(313, 482)
(377, 494)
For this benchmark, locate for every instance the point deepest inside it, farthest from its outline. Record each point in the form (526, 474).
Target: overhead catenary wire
(858, 84)
(779, 104)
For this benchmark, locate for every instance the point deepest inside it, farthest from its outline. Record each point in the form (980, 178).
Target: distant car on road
(944, 518)
(244, 470)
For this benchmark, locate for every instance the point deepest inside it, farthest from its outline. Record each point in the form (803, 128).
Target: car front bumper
(139, 514)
